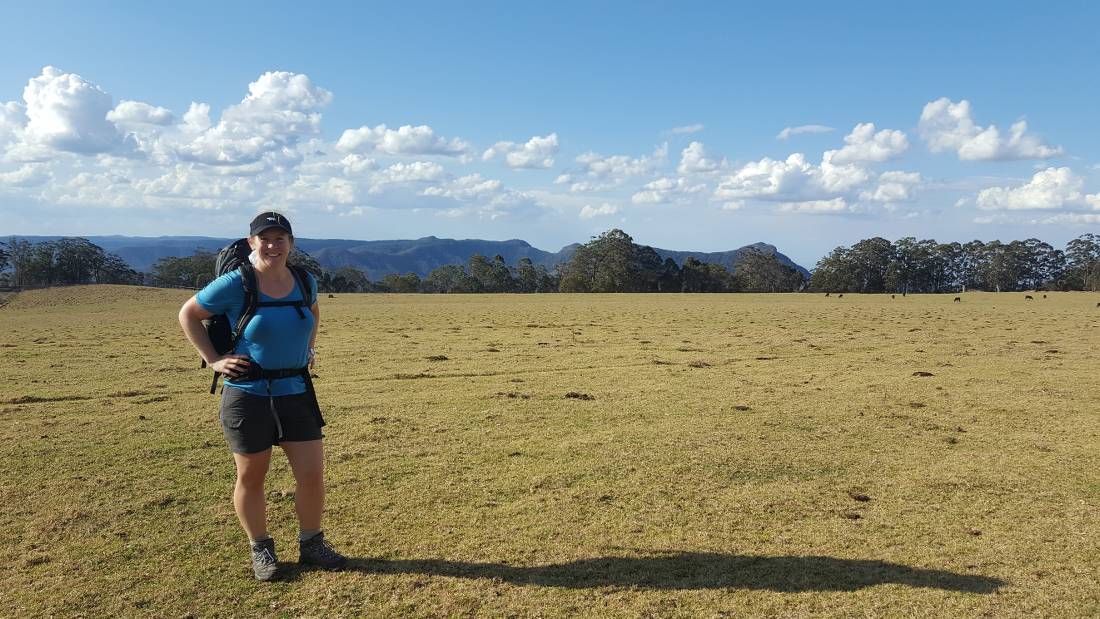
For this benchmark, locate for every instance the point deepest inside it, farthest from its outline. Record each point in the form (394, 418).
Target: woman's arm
(316, 310)
(191, 316)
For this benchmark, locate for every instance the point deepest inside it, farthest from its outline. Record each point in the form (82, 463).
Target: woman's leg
(248, 495)
(307, 460)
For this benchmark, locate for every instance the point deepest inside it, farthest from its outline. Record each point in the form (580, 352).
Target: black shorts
(250, 427)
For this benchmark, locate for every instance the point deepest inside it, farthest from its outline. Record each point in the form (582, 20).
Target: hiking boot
(317, 551)
(263, 559)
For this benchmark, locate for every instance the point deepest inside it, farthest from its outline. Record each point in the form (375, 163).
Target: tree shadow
(695, 570)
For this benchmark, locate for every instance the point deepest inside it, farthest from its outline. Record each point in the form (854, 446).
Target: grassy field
(736, 455)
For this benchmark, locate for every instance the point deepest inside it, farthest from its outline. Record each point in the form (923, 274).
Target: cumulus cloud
(665, 190)
(404, 141)
(1071, 218)
(605, 209)
(947, 126)
(597, 172)
(266, 126)
(13, 118)
(320, 190)
(893, 187)
(538, 152)
(67, 113)
(406, 173)
(865, 144)
(354, 165)
(138, 113)
(28, 175)
(1052, 188)
(789, 131)
(464, 188)
(836, 205)
(793, 179)
(695, 160)
(686, 129)
(196, 185)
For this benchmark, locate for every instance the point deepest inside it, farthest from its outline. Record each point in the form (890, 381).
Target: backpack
(223, 336)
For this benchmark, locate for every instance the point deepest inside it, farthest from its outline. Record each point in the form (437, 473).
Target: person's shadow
(692, 570)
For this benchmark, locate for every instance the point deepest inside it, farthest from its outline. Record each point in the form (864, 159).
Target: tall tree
(450, 278)
(527, 278)
(1082, 258)
(759, 271)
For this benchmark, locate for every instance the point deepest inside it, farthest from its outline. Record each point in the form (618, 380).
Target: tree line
(908, 265)
(613, 262)
(64, 261)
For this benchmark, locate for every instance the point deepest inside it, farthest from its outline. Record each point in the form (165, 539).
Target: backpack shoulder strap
(251, 299)
(302, 277)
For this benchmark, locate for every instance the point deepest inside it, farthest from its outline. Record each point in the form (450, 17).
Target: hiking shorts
(250, 426)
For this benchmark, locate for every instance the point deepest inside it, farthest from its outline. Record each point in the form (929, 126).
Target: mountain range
(378, 258)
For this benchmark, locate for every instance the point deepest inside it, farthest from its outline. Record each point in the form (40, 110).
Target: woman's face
(272, 246)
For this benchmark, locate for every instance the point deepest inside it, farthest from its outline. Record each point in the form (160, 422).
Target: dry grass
(740, 455)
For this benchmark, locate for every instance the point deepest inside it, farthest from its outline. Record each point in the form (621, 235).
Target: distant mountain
(378, 258)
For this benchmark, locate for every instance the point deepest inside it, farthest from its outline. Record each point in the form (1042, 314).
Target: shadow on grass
(694, 570)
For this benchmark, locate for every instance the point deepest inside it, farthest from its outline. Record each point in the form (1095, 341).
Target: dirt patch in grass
(576, 395)
(33, 399)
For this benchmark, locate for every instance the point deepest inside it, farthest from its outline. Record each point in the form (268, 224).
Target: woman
(266, 400)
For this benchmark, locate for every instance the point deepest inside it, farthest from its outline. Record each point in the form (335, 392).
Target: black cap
(269, 219)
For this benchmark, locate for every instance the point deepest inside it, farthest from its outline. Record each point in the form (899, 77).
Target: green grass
(712, 473)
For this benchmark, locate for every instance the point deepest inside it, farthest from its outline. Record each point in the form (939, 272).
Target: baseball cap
(269, 219)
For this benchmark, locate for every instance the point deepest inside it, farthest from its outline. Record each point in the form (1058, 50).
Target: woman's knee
(312, 476)
(252, 469)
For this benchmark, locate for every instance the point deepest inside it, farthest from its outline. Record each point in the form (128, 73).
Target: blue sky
(554, 122)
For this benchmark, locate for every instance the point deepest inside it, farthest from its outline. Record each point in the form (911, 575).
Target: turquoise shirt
(276, 337)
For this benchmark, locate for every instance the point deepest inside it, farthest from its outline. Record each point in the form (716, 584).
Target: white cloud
(320, 190)
(28, 175)
(67, 113)
(792, 180)
(406, 173)
(538, 152)
(194, 183)
(597, 172)
(665, 190)
(789, 131)
(946, 126)
(686, 129)
(605, 209)
(1071, 218)
(893, 187)
(694, 160)
(1052, 188)
(835, 205)
(264, 128)
(404, 141)
(470, 187)
(13, 118)
(197, 118)
(864, 144)
(138, 113)
(354, 165)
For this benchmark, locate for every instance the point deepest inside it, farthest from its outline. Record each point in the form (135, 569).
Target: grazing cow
(891, 296)
(826, 294)
(840, 295)
(1028, 297)
(1044, 296)
(1098, 305)
(958, 300)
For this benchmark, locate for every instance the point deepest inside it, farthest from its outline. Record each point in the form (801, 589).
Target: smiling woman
(268, 397)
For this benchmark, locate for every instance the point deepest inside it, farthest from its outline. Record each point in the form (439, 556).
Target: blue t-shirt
(276, 337)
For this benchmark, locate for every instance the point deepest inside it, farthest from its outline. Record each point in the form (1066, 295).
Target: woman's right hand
(231, 365)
